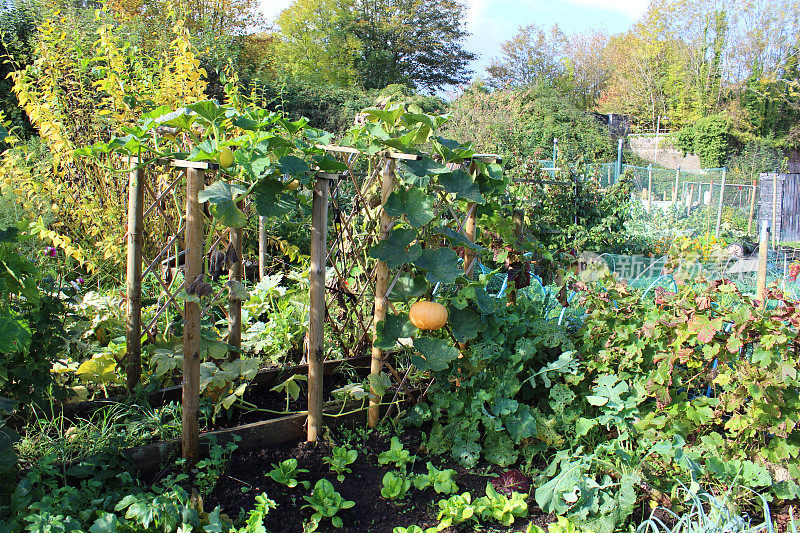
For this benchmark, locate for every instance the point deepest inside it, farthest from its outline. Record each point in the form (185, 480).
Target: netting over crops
(647, 273)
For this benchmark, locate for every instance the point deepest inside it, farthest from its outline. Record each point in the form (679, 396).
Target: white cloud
(271, 8)
(632, 8)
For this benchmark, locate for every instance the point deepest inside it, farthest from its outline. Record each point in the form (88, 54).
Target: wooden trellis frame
(323, 257)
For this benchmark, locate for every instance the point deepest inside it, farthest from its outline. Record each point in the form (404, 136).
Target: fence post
(774, 208)
(316, 323)
(619, 159)
(649, 188)
(555, 151)
(689, 202)
(191, 319)
(133, 329)
(752, 209)
(381, 286)
(763, 247)
(234, 303)
(721, 197)
(675, 190)
(262, 247)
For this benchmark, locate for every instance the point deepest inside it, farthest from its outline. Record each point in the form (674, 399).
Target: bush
(709, 138)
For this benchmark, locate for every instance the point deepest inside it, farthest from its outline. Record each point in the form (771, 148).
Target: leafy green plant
(208, 471)
(455, 510)
(255, 519)
(325, 502)
(285, 473)
(501, 508)
(441, 480)
(396, 455)
(414, 529)
(706, 514)
(338, 461)
(395, 485)
(291, 387)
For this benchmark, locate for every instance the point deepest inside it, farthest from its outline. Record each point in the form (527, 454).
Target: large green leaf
(223, 196)
(457, 238)
(15, 333)
(208, 110)
(395, 249)
(328, 164)
(460, 183)
(436, 354)
(441, 264)
(550, 496)
(390, 329)
(522, 424)
(293, 165)
(465, 324)
(426, 166)
(254, 166)
(180, 118)
(452, 151)
(407, 287)
(487, 303)
(268, 198)
(413, 203)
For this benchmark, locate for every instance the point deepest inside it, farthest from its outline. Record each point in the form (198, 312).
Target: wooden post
(763, 247)
(234, 303)
(133, 330)
(193, 269)
(470, 231)
(675, 189)
(752, 209)
(774, 227)
(689, 202)
(381, 286)
(262, 247)
(519, 226)
(316, 323)
(721, 197)
(649, 188)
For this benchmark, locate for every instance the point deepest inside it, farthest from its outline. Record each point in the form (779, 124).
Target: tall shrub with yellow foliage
(82, 89)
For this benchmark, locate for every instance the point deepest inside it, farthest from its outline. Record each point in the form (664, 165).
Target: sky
(493, 21)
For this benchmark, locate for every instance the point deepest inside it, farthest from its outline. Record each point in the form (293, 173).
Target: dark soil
(371, 513)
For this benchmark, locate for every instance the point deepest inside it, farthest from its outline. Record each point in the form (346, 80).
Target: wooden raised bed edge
(265, 378)
(265, 434)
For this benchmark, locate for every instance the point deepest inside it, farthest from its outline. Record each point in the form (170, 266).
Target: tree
(531, 57)
(314, 44)
(411, 42)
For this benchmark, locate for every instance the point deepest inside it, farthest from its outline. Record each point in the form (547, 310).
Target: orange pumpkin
(428, 315)
(292, 185)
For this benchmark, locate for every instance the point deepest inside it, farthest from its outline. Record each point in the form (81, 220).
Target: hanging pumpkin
(428, 315)
(226, 157)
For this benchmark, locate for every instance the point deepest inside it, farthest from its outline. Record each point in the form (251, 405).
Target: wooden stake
(719, 207)
(191, 318)
(470, 230)
(133, 330)
(381, 286)
(752, 209)
(691, 198)
(519, 227)
(262, 247)
(763, 247)
(649, 188)
(234, 303)
(316, 323)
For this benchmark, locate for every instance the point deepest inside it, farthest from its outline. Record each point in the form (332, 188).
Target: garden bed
(247, 478)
